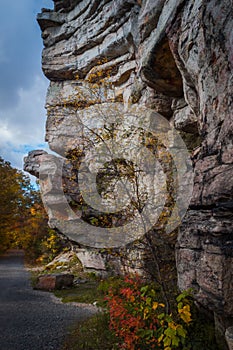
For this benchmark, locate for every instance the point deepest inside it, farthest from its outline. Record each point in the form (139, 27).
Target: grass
(88, 293)
(92, 334)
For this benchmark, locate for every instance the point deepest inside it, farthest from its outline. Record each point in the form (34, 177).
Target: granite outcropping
(176, 58)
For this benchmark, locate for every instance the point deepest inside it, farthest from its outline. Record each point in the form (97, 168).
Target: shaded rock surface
(229, 337)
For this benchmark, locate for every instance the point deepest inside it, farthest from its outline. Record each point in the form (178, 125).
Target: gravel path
(29, 319)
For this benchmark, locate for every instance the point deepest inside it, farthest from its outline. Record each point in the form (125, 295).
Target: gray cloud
(20, 46)
(22, 85)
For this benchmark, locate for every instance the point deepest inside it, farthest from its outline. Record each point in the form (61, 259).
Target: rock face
(200, 38)
(229, 337)
(175, 57)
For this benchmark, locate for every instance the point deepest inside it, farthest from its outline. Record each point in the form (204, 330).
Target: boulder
(54, 281)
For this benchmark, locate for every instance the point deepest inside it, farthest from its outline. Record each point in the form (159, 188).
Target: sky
(22, 83)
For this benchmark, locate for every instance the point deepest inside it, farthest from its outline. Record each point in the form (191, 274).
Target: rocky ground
(32, 319)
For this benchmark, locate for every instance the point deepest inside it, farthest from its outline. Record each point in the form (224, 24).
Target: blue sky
(22, 84)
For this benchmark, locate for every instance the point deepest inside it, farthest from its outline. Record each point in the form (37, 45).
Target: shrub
(91, 334)
(139, 320)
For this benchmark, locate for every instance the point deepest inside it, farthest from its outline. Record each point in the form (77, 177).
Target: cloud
(21, 53)
(22, 85)
(20, 47)
(22, 126)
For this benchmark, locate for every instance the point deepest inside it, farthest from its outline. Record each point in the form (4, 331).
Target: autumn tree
(14, 200)
(23, 220)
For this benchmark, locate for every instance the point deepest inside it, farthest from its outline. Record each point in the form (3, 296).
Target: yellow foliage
(33, 211)
(172, 325)
(185, 314)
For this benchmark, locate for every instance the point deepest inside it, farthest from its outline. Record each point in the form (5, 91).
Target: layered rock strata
(175, 57)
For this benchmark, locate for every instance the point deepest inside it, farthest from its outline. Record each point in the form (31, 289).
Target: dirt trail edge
(29, 319)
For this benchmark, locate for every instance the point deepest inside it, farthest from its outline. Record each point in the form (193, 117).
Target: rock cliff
(176, 58)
